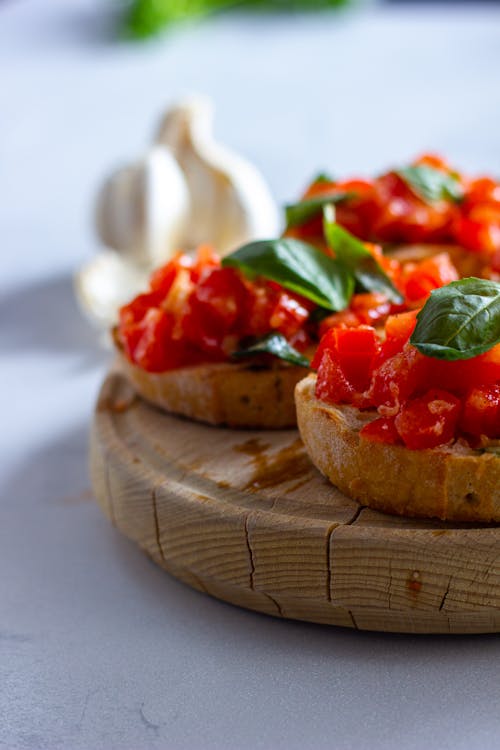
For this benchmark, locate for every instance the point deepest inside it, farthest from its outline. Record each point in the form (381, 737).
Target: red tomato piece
(431, 273)
(403, 217)
(214, 310)
(289, 315)
(343, 319)
(381, 430)
(397, 379)
(146, 342)
(479, 236)
(428, 421)
(481, 412)
(461, 375)
(332, 385)
(370, 308)
(137, 309)
(162, 279)
(482, 190)
(433, 160)
(346, 356)
(206, 259)
(398, 329)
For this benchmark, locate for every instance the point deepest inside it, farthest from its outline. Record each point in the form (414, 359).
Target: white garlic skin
(104, 284)
(230, 201)
(142, 209)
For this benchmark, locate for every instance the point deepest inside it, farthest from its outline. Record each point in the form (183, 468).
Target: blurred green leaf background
(145, 18)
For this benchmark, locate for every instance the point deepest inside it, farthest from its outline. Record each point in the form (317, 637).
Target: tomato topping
(398, 329)
(387, 209)
(332, 384)
(197, 311)
(401, 216)
(428, 421)
(163, 277)
(422, 401)
(397, 379)
(419, 279)
(381, 430)
(481, 413)
(149, 343)
(344, 361)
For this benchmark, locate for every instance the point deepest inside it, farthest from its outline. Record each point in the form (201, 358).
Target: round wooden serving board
(245, 517)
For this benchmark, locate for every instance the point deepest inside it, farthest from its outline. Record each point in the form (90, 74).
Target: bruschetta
(226, 341)
(408, 422)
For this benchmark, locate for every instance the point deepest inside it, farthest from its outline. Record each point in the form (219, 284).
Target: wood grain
(243, 516)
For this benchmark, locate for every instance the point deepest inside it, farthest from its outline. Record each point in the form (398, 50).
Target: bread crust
(451, 483)
(232, 394)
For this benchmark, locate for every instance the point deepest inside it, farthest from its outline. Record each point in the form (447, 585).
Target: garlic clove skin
(142, 209)
(104, 284)
(230, 201)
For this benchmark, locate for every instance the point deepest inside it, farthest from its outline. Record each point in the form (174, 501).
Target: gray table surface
(99, 648)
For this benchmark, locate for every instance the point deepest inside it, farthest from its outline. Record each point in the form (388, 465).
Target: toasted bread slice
(236, 395)
(451, 483)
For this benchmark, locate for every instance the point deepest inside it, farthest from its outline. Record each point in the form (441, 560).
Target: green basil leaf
(353, 254)
(431, 184)
(297, 266)
(298, 213)
(321, 178)
(277, 345)
(459, 320)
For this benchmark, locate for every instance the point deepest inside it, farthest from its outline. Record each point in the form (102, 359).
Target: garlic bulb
(106, 283)
(142, 209)
(185, 191)
(230, 202)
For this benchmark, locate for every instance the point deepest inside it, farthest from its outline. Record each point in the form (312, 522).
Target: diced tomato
(433, 160)
(221, 295)
(398, 329)
(402, 216)
(344, 361)
(482, 190)
(148, 342)
(354, 349)
(215, 307)
(479, 236)
(428, 421)
(397, 379)
(343, 319)
(162, 279)
(481, 413)
(137, 309)
(371, 308)
(332, 386)
(289, 314)
(381, 430)
(461, 375)
(420, 279)
(206, 260)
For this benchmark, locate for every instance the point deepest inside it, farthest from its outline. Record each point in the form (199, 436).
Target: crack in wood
(389, 591)
(356, 515)
(445, 595)
(276, 604)
(250, 553)
(199, 583)
(328, 563)
(353, 620)
(157, 525)
(330, 533)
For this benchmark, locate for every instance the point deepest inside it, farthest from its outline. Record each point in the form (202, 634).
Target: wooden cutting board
(244, 516)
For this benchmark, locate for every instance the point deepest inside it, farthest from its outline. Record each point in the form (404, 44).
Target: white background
(99, 648)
